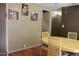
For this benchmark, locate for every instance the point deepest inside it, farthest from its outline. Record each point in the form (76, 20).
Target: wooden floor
(35, 51)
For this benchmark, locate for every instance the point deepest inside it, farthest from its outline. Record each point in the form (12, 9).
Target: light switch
(62, 26)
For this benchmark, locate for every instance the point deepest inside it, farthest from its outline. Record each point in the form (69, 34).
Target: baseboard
(24, 48)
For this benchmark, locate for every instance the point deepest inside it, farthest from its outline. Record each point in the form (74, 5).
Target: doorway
(56, 23)
(45, 31)
(45, 21)
(2, 29)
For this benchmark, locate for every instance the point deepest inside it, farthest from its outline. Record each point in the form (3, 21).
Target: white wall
(24, 31)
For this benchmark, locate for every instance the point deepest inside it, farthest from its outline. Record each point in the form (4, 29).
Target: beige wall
(24, 31)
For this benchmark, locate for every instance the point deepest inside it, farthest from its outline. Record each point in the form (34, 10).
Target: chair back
(53, 47)
(45, 34)
(72, 35)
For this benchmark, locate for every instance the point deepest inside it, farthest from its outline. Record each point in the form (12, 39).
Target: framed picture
(24, 10)
(12, 14)
(34, 16)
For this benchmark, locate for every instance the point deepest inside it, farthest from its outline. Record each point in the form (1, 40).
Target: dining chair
(54, 47)
(71, 35)
(44, 46)
(45, 34)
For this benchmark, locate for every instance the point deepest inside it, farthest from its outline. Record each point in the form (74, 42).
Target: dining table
(64, 43)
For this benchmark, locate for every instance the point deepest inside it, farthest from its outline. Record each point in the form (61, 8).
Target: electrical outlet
(24, 45)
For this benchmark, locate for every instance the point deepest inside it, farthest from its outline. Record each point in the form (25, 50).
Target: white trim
(24, 48)
(7, 29)
(50, 23)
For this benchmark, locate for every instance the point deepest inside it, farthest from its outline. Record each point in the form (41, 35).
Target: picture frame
(24, 10)
(34, 16)
(13, 15)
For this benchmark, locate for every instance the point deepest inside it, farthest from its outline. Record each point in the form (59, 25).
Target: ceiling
(56, 5)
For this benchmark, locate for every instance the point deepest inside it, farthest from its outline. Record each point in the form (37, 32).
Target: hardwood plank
(35, 51)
